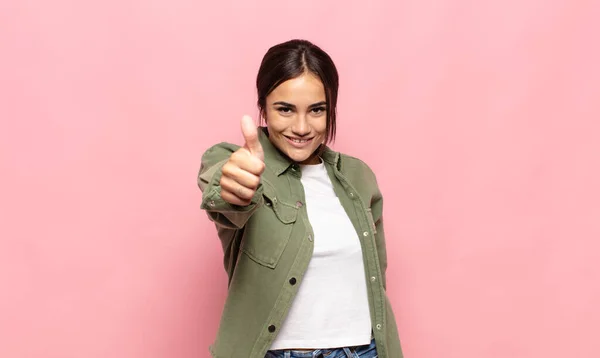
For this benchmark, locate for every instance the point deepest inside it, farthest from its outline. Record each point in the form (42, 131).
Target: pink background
(486, 113)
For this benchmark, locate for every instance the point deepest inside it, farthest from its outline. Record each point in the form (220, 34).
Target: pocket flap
(285, 212)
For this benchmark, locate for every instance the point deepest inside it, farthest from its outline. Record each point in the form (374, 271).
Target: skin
(296, 116)
(296, 109)
(241, 173)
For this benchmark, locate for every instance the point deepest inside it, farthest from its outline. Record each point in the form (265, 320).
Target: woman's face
(296, 116)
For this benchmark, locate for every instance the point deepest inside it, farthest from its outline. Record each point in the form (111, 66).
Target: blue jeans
(366, 351)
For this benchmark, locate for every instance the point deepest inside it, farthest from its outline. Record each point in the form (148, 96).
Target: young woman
(300, 224)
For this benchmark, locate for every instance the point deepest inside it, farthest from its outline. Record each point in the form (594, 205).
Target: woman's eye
(284, 109)
(318, 110)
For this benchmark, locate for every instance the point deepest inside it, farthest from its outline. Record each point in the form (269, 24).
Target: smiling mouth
(299, 143)
(297, 140)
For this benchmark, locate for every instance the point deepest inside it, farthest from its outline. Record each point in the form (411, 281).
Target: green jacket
(268, 244)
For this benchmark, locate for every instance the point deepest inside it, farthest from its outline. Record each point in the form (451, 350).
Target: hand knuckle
(226, 196)
(255, 181)
(248, 193)
(226, 184)
(257, 166)
(226, 170)
(235, 156)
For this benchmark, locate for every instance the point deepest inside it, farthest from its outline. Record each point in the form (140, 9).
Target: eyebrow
(282, 103)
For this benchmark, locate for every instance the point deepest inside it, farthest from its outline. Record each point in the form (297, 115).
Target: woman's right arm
(230, 179)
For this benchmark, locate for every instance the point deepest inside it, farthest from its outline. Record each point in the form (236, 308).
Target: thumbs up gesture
(241, 173)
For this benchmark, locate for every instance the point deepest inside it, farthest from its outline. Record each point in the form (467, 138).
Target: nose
(301, 127)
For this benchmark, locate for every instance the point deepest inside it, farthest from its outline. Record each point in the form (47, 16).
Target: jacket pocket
(268, 231)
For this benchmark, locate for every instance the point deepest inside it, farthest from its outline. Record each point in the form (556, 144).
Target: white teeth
(299, 140)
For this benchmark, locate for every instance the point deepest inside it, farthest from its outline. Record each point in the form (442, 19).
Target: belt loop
(287, 354)
(349, 353)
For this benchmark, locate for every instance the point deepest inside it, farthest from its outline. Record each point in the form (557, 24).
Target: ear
(263, 116)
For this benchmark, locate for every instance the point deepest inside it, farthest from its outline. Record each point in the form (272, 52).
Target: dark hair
(291, 59)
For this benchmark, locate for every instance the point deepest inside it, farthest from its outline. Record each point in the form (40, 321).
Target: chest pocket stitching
(268, 230)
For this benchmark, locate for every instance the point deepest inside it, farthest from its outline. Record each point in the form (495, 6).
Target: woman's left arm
(377, 211)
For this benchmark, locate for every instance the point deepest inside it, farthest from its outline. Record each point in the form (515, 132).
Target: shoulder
(356, 168)
(219, 152)
(361, 176)
(222, 147)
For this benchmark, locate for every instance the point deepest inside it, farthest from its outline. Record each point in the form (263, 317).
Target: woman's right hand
(241, 173)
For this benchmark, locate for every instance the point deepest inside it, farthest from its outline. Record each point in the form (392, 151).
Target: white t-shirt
(331, 308)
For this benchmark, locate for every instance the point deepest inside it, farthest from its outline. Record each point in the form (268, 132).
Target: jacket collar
(279, 162)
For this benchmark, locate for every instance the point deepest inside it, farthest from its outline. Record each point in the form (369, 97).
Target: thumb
(251, 137)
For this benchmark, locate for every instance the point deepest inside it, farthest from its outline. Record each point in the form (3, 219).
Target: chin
(295, 154)
(301, 157)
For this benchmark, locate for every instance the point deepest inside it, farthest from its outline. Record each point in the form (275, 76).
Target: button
(299, 204)
(378, 326)
(212, 203)
(366, 233)
(352, 195)
(310, 238)
(373, 278)
(292, 281)
(268, 203)
(271, 328)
